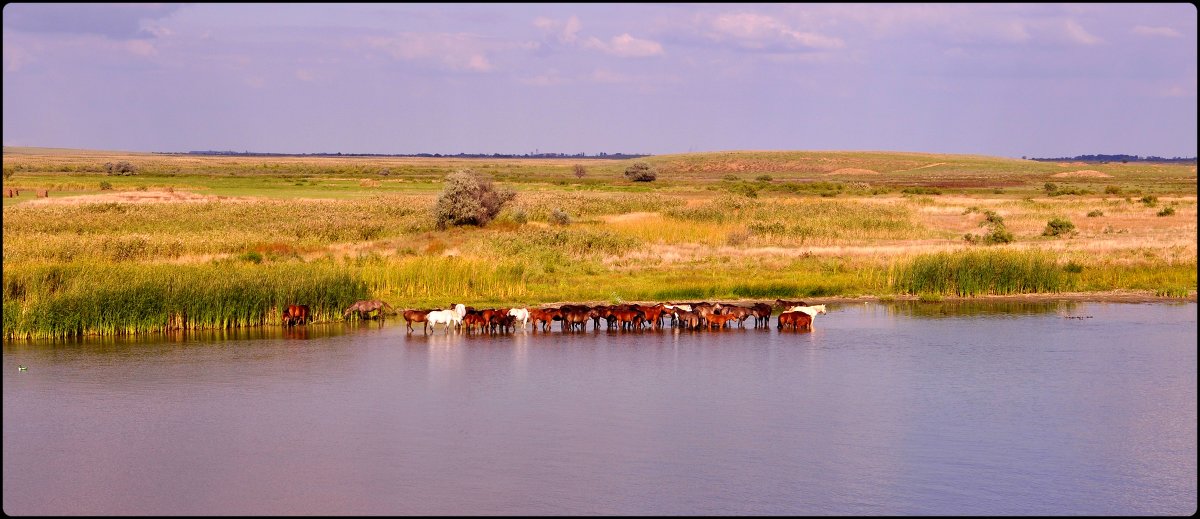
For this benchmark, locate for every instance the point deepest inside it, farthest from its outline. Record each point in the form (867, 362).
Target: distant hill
(1118, 158)
(601, 155)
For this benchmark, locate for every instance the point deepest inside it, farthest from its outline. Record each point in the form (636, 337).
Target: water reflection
(873, 412)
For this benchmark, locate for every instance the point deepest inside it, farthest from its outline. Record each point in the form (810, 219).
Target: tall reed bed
(96, 298)
(436, 282)
(981, 272)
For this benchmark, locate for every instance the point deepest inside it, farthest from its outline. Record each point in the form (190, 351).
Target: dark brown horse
(363, 308)
(762, 314)
(796, 320)
(780, 303)
(296, 313)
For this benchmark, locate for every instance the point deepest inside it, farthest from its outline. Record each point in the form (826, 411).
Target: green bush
(1095, 213)
(469, 199)
(1058, 227)
(105, 186)
(1149, 200)
(641, 172)
(559, 217)
(1112, 190)
(1166, 211)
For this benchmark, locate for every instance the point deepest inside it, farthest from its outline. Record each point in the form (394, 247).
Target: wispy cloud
(758, 31)
(452, 51)
(1080, 35)
(1167, 32)
(625, 46)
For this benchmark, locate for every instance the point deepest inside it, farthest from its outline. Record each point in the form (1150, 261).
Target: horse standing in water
(363, 308)
(295, 313)
(796, 320)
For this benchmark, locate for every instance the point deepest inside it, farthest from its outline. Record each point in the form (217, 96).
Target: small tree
(580, 171)
(640, 172)
(469, 199)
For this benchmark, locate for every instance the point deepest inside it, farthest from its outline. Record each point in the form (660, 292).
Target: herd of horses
(703, 315)
(795, 315)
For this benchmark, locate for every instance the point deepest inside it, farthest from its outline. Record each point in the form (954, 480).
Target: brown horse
(780, 303)
(416, 316)
(544, 316)
(719, 320)
(687, 319)
(738, 312)
(762, 314)
(796, 320)
(473, 319)
(295, 313)
(363, 308)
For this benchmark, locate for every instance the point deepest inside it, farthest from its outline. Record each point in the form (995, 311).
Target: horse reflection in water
(296, 332)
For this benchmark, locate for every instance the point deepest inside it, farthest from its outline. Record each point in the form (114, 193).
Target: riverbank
(191, 243)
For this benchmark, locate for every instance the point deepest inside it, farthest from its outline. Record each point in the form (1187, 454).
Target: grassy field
(204, 242)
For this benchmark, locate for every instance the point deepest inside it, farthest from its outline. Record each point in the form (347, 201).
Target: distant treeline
(601, 155)
(1118, 158)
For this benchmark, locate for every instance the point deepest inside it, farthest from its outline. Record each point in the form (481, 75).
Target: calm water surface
(897, 409)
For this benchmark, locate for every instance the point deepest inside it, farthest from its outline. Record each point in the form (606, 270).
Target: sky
(1007, 80)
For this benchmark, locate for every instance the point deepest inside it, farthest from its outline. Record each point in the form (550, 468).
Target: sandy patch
(920, 167)
(1082, 173)
(628, 217)
(852, 171)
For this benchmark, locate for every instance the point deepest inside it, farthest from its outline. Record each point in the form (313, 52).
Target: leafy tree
(469, 199)
(580, 171)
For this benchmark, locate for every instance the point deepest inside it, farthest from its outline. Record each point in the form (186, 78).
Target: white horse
(446, 317)
(521, 314)
(812, 311)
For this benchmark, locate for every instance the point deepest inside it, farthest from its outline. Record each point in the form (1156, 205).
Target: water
(883, 409)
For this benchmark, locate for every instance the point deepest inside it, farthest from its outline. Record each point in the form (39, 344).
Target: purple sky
(1040, 80)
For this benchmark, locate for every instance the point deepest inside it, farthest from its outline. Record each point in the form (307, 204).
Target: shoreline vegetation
(132, 243)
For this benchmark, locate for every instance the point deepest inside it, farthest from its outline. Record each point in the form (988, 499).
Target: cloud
(1079, 34)
(452, 51)
(1142, 30)
(757, 32)
(625, 46)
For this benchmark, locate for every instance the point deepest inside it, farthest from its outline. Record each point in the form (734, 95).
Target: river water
(883, 409)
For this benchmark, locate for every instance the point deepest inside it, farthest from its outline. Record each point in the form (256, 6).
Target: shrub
(1149, 200)
(640, 172)
(1094, 213)
(1112, 190)
(998, 235)
(764, 178)
(1058, 226)
(1166, 211)
(580, 171)
(737, 237)
(469, 199)
(1050, 187)
(385, 172)
(559, 217)
(105, 186)
(1073, 267)
(251, 257)
(119, 168)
